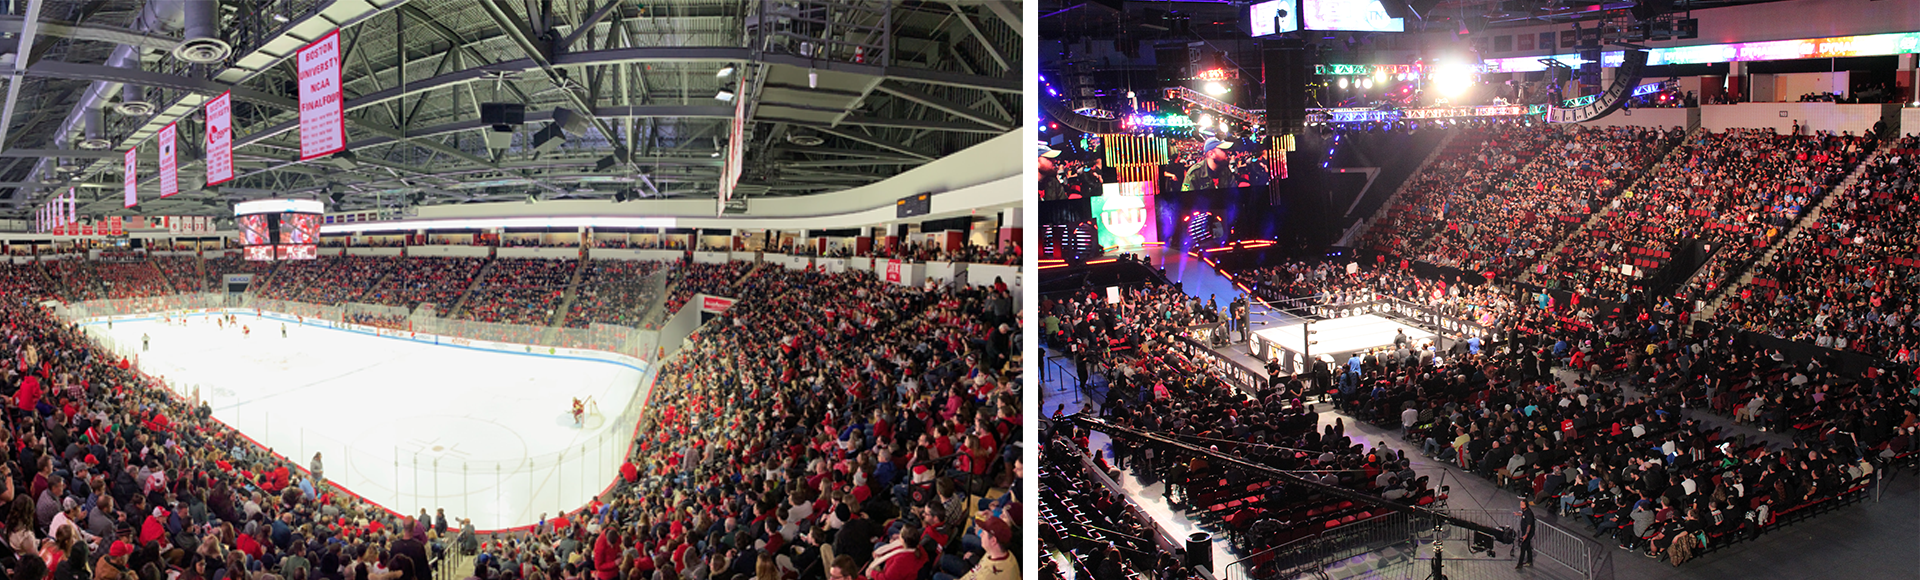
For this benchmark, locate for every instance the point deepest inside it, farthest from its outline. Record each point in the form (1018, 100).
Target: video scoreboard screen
(279, 229)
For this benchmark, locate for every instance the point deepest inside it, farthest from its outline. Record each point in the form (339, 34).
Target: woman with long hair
(20, 522)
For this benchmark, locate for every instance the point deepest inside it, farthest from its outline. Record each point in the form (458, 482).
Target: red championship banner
(323, 125)
(220, 139)
(131, 179)
(169, 161)
(117, 225)
(893, 271)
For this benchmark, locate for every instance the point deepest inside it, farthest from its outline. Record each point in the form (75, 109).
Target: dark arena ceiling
(839, 94)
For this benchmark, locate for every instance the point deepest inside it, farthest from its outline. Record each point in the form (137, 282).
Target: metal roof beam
(950, 107)
(90, 32)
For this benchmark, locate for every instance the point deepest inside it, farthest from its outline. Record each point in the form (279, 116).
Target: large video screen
(253, 231)
(1355, 15)
(1124, 222)
(299, 228)
(297, 252)
(259, 253)
(1274, 17)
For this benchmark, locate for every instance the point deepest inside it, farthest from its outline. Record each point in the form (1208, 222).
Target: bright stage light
(1206, 120)
(1452, 80)
(1379, 76)
(1343, 82)
(1367, 83)
(1216, 89)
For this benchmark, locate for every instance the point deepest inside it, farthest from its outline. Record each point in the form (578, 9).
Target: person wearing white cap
(1050, 187)
(1211, 170)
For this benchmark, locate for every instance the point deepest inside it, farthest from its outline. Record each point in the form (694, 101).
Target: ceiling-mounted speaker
(503, 113)
(499, 136)
(345, 160)
(605, 163)
(549, 138)
(570, 121)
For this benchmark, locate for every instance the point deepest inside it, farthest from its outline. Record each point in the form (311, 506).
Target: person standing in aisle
(1523, 553)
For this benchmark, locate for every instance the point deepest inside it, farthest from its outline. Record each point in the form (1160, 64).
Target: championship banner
(893, 271)
(73, 206)
(323, 125)
(220, 139)
(131, 179)
(117, 225)
(169, 158)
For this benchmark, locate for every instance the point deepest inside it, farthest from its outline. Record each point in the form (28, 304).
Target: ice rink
(483, 434)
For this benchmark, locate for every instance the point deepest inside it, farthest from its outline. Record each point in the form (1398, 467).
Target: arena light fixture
(1215, 88)
(1367, 83)
(1343, 82)
(724, 72)
(1453, 80)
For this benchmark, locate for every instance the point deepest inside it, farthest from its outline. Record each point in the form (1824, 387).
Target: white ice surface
(485, 435)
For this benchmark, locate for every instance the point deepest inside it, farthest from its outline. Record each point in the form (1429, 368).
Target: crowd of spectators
(833, 409)
(1447, 195)
(616, 292)
(217, 270)
(74, 280)
(520, 291)
(347, 278)
(391, 321)
(1735, 191)
(1519, 215)
(155, 488)
(137, 279)
(1845, 281)
(416, 281)
(182, 272)
(294, 276)
(714, 279)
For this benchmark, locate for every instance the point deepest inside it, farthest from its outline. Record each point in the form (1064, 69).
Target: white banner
(169, 159)
(323, 127)
(219, 144)
(132, 178)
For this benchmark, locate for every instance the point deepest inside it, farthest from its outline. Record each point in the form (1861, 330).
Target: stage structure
(1335, 326)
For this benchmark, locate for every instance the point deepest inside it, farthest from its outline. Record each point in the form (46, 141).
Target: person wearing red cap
(110, 565)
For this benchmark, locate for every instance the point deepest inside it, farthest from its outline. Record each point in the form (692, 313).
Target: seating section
(520, 291)
(439, 281)
(183, 272)
(1530, 195)
(218, 268)
(1846, 280)
(1446, 193)
(135, 279)
(714, 279)
(349, 278)
(1735, 191)
(74, 280)
(614, 292)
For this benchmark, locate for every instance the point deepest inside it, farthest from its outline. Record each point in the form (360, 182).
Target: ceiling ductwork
(95, 133)
(133, 102)
(202, 44)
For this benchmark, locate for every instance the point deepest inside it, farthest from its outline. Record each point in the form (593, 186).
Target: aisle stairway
(459, 306)
(566, 298)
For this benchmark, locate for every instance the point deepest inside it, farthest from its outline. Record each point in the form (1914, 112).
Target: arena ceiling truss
(838, 94)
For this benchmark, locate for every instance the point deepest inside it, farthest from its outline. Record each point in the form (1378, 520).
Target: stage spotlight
(1380, 76)
(1453, 80)
(1367, 83)
(1206, 120)
(1343, 82)
(1216, 89)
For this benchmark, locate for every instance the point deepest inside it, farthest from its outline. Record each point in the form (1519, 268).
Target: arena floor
(485, 435)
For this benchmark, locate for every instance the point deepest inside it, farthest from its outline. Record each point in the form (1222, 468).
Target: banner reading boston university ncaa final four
(219, 145)
(323, 125)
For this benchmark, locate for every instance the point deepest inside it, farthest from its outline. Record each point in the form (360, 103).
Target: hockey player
(283, 330)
